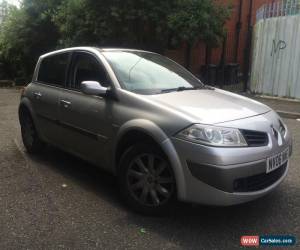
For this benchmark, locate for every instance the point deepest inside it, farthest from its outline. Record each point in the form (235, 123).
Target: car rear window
(53, 69)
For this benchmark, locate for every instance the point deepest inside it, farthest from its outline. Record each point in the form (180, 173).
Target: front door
(86, 120)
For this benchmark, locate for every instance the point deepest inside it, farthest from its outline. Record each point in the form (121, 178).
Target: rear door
(86, 120)
(49, 83)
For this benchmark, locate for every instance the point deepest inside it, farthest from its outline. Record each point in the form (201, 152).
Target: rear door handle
(64, 103)
(37, 95)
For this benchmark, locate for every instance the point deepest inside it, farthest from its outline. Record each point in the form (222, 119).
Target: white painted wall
(276, 57)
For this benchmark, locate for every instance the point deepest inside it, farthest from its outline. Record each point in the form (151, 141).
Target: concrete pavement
(287, 108)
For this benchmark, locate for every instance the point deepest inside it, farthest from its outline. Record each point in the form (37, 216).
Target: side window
(53, 69)
(87, 68)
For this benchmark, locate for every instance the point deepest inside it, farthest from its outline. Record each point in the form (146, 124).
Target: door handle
(64, 103)
(37, 95)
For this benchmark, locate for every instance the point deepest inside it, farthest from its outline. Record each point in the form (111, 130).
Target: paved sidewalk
(286, 108)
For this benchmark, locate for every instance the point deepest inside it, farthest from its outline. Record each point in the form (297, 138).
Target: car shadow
(187, 225)
(80, 172)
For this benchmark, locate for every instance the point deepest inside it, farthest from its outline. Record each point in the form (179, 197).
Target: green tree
(4, 7)
(41, 26)
(27, 33)
(135, 23)
(195, 20)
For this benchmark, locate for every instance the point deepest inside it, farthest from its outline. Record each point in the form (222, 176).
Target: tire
(31, 140)
(146, 179)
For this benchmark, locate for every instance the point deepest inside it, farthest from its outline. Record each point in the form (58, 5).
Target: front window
(87, 68)
(149, 73)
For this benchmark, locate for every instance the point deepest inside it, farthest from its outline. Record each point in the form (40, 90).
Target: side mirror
(93, 88)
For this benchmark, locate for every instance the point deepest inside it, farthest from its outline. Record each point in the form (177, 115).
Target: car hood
(211, 106)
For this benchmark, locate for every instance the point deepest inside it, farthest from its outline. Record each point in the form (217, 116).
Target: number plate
(278, 160)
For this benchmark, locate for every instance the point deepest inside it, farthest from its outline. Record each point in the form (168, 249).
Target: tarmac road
(55, 201)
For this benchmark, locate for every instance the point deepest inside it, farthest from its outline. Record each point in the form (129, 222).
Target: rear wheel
(31, 140)
(146, 179)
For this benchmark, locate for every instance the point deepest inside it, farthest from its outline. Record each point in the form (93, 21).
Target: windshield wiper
(181, 89)
(185, 88)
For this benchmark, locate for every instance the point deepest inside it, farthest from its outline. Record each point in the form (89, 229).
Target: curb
(290, 115)
(278, 98)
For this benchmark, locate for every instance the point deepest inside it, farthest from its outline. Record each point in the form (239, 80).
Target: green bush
(41, 26)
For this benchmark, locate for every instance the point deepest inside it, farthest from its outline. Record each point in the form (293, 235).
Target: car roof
(92, 49)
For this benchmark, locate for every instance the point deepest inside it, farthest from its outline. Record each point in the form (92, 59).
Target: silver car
(154, 125)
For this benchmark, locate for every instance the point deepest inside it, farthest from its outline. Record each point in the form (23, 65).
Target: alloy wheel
(150, 180)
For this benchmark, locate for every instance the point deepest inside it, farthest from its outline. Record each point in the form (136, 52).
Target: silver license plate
(278, 160)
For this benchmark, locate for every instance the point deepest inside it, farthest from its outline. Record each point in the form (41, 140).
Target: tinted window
(53, 69)
(87, 68)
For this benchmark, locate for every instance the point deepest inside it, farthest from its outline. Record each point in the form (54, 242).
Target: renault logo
(277, 135)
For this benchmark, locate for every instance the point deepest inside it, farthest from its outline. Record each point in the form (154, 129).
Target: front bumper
(224, 176)
(212, 184)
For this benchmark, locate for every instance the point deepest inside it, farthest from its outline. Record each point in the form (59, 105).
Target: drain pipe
(247, 50)
(238, 31)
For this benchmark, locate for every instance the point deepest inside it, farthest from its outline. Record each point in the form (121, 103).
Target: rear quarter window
(53, 69)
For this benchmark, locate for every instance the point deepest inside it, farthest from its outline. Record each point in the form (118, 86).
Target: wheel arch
(135, 131)
(156, 135)
(25, 105)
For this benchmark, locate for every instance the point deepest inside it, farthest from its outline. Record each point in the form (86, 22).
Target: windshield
(149, 73)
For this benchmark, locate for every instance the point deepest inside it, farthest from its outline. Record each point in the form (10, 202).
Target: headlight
(214, 136)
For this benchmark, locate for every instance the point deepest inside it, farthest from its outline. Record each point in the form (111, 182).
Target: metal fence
(278, 8)
(276, 57)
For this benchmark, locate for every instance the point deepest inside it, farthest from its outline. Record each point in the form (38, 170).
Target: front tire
(31, 140)
(146, 179)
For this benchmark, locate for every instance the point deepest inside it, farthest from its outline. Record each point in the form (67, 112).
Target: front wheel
(146, 179)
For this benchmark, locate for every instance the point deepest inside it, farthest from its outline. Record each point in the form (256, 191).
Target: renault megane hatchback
(154, 125)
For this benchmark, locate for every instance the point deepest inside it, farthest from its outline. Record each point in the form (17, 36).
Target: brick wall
(199, 50)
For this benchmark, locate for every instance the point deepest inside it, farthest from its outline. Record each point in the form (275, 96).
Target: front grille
(255, 138)
(258, 182)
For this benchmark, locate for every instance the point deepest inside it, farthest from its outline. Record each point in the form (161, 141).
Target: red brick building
(243, 15)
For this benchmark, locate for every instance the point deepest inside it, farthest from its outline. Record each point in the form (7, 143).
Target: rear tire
(31, 140)
(146, 179)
